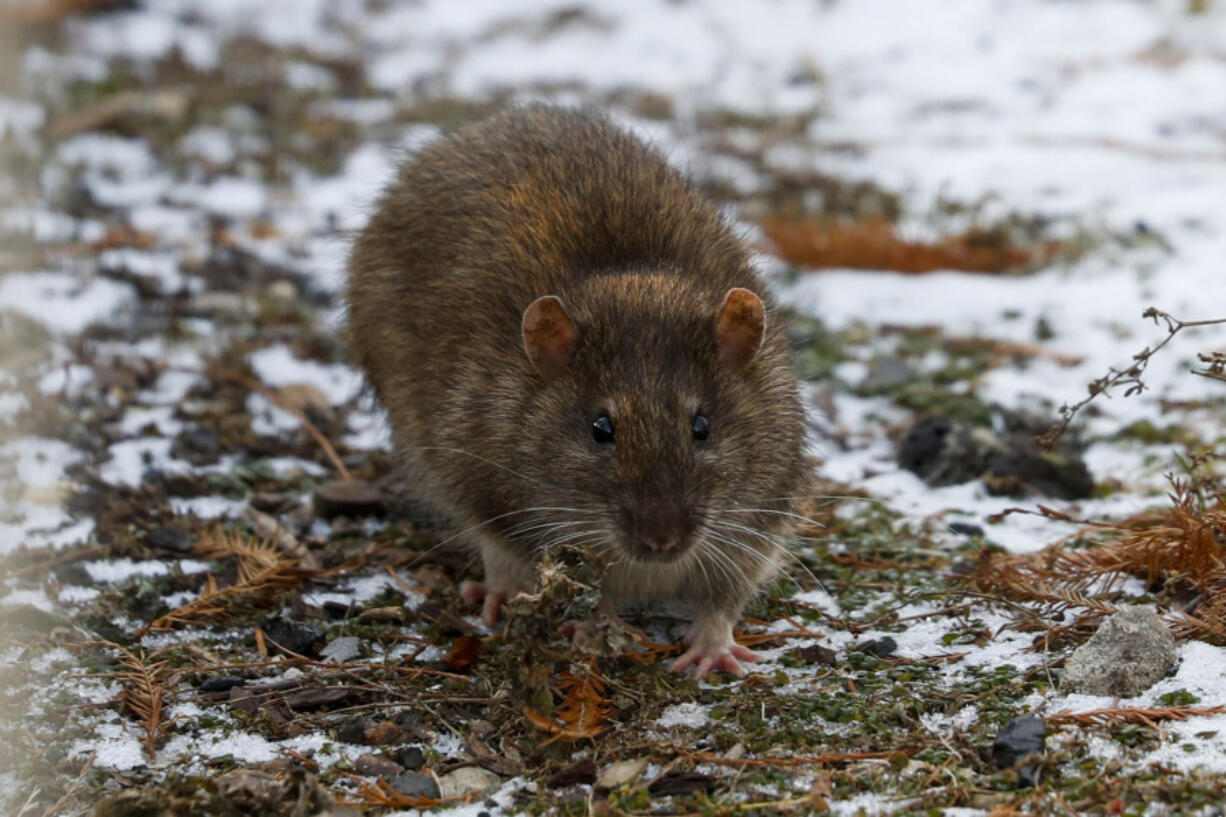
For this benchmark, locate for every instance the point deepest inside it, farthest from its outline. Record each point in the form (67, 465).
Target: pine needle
(1146, 715)
(145, 685)
(1181, 554)
(262, 570)
(581, 714)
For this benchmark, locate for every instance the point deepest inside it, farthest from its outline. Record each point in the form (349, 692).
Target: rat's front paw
(491, 599)
(712, 648)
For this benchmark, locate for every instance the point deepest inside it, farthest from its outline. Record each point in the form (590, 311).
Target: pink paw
(492, 600)
(705, 658)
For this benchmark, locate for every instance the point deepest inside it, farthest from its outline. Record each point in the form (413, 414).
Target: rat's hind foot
(492, 600)
(712, 648)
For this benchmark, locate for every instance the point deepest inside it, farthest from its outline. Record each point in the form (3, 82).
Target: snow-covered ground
(1107, 119)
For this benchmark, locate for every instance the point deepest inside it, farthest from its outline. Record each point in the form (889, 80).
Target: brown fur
(540, 201)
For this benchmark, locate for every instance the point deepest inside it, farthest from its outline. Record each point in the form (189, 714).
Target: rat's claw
(491, 608)
(472, 591)
(492, 600)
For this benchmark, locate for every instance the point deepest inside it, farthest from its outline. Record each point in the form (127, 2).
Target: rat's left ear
(739, 326)
(549, 336)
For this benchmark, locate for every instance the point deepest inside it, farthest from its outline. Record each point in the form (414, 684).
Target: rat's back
(527, 202)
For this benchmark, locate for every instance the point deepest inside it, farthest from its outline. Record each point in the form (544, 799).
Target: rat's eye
(602, 430)
(700, 427)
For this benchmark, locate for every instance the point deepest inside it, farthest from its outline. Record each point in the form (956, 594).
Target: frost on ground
(965, 212)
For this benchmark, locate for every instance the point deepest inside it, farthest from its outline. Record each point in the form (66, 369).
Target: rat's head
(666, 407)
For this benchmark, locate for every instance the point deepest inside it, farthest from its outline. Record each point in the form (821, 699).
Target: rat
(572, 347)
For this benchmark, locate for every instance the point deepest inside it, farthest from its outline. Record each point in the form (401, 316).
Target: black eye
(602, 430)
(700, 427)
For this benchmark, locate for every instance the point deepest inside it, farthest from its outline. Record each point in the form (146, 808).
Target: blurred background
(963, 207)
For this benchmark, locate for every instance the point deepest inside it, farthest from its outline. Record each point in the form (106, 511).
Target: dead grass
(1181, 557)
(874, 243)
(262, 571)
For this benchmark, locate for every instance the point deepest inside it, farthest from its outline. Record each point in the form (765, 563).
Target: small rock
(412, 758)
(621, 773)
(305, 397)
(348, 498)
(312, 700)
(1127, 655)
(283, 289)
(946, 451)
(468, 780)
(353, 730)
(220, 304)
(382, 615)
(736, 752)
(583, 771)
(340, 650)
(817, 654)
(170, 539)
(294, 636)
(681, 783)
(966, 529)
(1018, 739)
(373, 765)
(885, 375)
(882, 647)
(221, 683)
(271, 503)
(416, 784)
(386, 733)
(199, 446)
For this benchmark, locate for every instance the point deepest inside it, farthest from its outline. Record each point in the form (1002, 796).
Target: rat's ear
(738, 328)
(549, 335)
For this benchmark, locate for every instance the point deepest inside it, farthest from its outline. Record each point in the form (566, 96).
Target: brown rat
(571, 346)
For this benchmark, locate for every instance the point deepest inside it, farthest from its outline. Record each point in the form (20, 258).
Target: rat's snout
(658, 528)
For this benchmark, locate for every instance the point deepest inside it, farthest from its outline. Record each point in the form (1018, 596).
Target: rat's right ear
(549, 336)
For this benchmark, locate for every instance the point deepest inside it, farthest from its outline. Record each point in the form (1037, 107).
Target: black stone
(353, 730)
(285, 634)
(1018, 739)
(681, 783)
(221, 683)
(170, 539)
(411, 757)
(882, 647)
(966, 529)
(583, 771)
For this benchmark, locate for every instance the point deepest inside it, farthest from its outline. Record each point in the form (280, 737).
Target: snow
(692, 715)
(276, 366)
(65, 303)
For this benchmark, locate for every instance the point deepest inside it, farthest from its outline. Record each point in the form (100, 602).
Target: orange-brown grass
(583, 712)
(1150, 716)
(144, 693)
(262, 571)
(1180, 555)
(873, 243)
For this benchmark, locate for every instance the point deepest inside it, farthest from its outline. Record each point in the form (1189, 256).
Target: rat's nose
(659, 527)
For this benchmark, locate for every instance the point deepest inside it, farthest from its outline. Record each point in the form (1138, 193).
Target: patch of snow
(689, 714)
(209, 507)
(65, 303)
(276, 366)
(119, 570)
(131, 459)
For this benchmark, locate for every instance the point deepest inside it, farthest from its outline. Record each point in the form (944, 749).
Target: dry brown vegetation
(1179, 555)
(263, 570)
(874, 243)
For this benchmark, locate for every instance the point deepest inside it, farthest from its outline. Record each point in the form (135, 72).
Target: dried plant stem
(792, 762)
(1129, 376)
